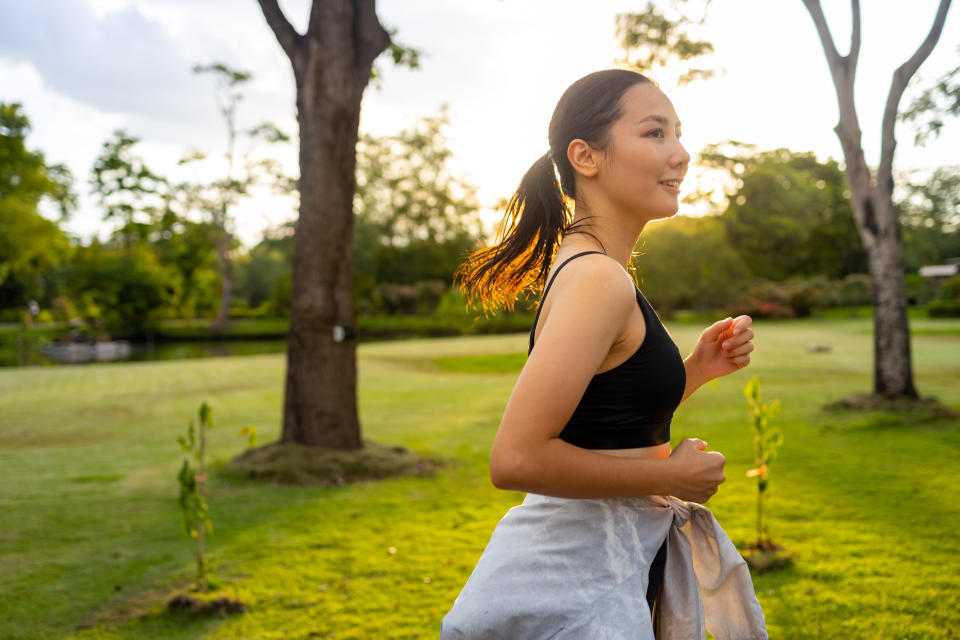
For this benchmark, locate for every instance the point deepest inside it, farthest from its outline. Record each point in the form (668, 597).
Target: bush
(944, 309)
(855, 290)
(920, 290)
(950, 289)
(806, 294)
(420, 298)
(947, 304)
(764, 299)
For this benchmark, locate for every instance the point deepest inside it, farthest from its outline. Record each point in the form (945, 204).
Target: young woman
(611, 540)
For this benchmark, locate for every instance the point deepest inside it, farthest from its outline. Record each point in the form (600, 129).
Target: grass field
(91, 542)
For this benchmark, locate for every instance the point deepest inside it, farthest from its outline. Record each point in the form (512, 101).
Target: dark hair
(538, 214)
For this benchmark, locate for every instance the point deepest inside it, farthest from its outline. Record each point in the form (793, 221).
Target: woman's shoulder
(593, 283)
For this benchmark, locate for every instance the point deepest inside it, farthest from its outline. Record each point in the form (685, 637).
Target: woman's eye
(658, 132)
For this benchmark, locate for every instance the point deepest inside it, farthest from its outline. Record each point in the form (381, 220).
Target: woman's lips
(666, 186)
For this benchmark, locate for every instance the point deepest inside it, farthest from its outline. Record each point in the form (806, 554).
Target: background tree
(332, 65)
(790, 213)
(31, 245)
(184, 246)
(929, 109)
(264, 273)
(216, 199)
(128, 287)
(872, 198)
(655, 41)
(126, 189)
(930, 213)
(415, 220)
(689, 263)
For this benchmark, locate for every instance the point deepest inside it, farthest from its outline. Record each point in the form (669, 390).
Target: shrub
(764, 299)
(806, 294)
(855, 290)
(944, 309)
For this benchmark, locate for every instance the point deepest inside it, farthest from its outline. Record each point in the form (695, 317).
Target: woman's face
(644, 161)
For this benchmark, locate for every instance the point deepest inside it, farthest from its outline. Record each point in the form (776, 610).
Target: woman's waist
(627, 436)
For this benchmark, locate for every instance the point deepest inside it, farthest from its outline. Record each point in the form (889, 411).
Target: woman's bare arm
(590, 309)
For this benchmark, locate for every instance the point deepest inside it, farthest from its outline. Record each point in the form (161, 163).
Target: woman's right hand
(696, 472)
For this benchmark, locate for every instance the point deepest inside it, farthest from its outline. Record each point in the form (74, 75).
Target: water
(29, 352)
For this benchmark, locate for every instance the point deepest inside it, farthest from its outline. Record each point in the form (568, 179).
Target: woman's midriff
(656, 451)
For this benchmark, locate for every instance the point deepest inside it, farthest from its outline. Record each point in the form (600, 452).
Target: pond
(35, 351)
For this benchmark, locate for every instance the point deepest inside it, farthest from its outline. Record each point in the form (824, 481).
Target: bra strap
(547, 290)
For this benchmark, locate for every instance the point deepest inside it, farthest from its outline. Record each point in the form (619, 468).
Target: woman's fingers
(741, 361)
(739, 339)
(743, 349)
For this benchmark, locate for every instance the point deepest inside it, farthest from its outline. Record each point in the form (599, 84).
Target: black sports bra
(632, 404)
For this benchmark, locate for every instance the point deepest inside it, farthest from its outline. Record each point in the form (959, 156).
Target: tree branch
(901, 77)
(833, 58)
(370, 38)
(287, 36)
(854, 35)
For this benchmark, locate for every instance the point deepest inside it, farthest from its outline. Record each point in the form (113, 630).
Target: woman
(611, 540)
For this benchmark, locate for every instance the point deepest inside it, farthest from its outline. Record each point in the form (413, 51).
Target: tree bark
(872, 200)
(331, 66)
(222, 245)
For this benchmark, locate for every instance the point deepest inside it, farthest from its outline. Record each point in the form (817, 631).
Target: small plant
(193, 504)
(766, 441)
(250, 432)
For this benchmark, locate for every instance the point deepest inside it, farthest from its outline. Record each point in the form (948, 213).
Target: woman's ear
(584, 159)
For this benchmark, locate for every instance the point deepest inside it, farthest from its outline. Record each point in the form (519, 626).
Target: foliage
(790, 214)
(654, 41)
(127, 190)
(33, 248)
(192, 501)
(414, 218)
(766, 442)
(947, 303)
(183, 246)
(214, 200)
(400, 54)
(929, 213)
(127, 288)
(689, 263)
(764, 299)
(263, 273)
(928, 109)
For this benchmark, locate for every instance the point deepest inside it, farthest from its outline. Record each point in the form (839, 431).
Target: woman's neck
(618, 239)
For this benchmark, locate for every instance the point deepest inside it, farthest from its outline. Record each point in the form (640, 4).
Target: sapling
(766, 440)
(193, 504)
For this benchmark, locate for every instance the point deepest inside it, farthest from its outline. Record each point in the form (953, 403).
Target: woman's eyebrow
(661, 119)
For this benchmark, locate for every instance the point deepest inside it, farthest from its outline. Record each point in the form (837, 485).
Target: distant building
(940, 270)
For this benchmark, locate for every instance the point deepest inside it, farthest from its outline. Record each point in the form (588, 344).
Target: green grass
(91, 541)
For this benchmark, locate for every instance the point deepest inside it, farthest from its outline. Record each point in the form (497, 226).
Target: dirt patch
(215, 606)
(288, 463)
(928, 408)
(766, 556)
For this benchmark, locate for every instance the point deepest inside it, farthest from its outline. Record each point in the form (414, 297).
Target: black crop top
(632, 404)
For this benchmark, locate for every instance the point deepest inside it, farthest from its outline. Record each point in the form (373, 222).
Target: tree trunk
(872, 199)
(331, 65)
(222, 245)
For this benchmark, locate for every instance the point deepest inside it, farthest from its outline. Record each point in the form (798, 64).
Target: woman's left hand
(724, 347)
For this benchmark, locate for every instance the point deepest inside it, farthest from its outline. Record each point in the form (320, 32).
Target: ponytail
(536, 217)
(538, 214)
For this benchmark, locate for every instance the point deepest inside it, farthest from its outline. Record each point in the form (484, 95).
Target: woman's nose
(681, 157)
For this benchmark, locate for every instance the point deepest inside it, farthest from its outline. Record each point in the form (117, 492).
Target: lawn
(91, 541)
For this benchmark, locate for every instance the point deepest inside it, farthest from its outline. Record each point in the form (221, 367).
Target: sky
(84, 68)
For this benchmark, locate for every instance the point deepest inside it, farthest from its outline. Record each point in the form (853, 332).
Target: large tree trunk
(872, 200)
(331, 65)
